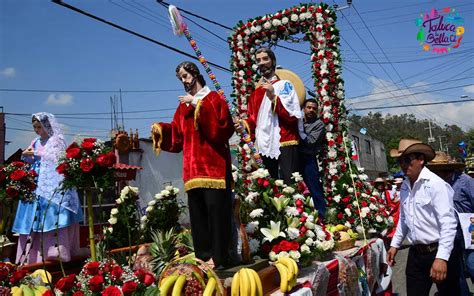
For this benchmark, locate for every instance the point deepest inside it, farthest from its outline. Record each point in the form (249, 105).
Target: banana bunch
(288, 270)
(246, 282)
(175, 284)
(25, 290)
(43, 274)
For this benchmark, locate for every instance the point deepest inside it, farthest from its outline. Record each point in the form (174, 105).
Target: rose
(111, 291)
(88, 146)
(87, 164)
(18, 164)
(106, 160)
(17, 175)
(62, 168)
(129, 287)
(66, 283)
(17, 276)
(73, 151)
(95, 283)
(92, 268)
(148, 279)
(48, 293)
(3, 273)
(78, 293)
(12, 191)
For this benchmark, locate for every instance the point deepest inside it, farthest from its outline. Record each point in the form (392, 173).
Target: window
(356, 141)
(368, 147)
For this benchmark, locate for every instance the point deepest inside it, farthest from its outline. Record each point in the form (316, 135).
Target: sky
(53, 59)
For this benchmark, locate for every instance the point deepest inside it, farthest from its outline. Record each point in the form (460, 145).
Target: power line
(410, 105)
(27, 130)
(60, 2)
(96, 113)
(93, 91)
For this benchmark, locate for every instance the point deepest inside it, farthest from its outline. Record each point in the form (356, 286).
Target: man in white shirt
(428, 221)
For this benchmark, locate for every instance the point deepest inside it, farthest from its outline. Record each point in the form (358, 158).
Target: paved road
(398, 277)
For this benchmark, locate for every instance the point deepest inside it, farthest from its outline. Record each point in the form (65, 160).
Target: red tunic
(288, 124)
(203, 138)
(394, 209)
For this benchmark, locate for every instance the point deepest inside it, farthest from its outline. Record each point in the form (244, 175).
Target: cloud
(385, 93)
(8, 72)
(469, 89)
(59, 99)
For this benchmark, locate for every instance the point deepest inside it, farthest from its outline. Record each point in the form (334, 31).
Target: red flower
(89, 140)
(3, 272)
(32, 173)
(92, 268)
(62, 168)
(340, 215)
(78, 293)
(106, 160)
(129, 287)
(266, 183)
(111, 291)
(96, 282)
(88, 146)
(17, 276)
(87, 164)
(74, 152)
(66, 283)
(148, 279)
(17, 175)
(117, 272)
(18, 164)
(48, 293)
(12, 191)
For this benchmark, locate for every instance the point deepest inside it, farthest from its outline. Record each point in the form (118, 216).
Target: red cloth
(288, 124)
(394, 209)
(206, 154)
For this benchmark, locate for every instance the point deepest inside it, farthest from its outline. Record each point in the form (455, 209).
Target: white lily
(273, 232)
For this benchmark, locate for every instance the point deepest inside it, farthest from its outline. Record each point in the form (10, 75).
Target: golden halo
(285, 74)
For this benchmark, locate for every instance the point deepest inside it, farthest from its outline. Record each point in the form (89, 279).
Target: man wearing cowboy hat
(463, 186)
(428, 221)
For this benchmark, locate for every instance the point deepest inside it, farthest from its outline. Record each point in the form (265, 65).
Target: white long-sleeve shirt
(427, 214)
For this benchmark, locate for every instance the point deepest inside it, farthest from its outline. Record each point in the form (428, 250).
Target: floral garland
(162, 213)
(317, 22)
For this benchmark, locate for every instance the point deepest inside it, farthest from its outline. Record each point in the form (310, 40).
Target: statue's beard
(188, 86)
(265, 71)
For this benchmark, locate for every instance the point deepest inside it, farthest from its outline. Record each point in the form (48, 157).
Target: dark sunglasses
(405, 159)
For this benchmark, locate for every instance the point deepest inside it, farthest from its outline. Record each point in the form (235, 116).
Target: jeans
(469, 259)
(310, 171)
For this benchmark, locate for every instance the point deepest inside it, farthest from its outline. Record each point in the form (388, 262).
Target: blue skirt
(42, 216)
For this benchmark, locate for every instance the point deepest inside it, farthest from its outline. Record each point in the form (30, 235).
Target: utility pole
(2, 136)
(441, 143)
(431, 139)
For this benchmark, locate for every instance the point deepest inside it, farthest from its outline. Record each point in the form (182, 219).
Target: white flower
(305, 249)
(169, 188)
(246, 147)
(149, 209)
(373, 206)
(279, 183)
(379, 219)
(360, 229)
(112, 221)
(284, 20)
(110, 229)
(283, 254)
(256, 213)
(272, 256)
(288, 190)
(273, 232)
(251, 197)
(350, 190)
(119, 200)
(134, 189)
(348, 212)
(125, 191)
(326, 245)
(165, 192)
(310, 233)
(309, 225)
(291, 211)
(321, 235)
(293, 233)
(298, 196)
(302, 16)
(253, 245)
(267, 25)
(297, 177)
(295, 255)
(159, 196)
(152, 203)
(309, 241)
(144, 218)
(276, 22)
(114, 211)
(371, 230)
(251, 227)
(337, 198)
(348, 225)
(294, 17)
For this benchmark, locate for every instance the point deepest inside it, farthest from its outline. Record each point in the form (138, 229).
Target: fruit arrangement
(33, 288)
(246, 282)
(288, 270)
(344, 236)
(189, 277)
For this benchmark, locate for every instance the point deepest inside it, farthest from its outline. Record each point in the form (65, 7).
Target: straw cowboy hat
(379, 180)
(5, 242)
(285, 74)
(407, 146)
(442, 162)
(398, 180)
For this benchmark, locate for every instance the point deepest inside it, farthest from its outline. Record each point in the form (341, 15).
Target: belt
(425, 249)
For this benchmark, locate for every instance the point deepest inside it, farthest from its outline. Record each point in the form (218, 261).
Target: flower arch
(345, 188)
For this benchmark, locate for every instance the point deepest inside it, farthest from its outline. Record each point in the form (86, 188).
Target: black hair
(191, 68)
(311, 100)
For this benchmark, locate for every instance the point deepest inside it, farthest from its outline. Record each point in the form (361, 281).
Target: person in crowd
(463, 186)
(380, 185)
(308, 150)
(428, 221)
(201, 128)
(394, 206)
(48, 226)
(275, 119)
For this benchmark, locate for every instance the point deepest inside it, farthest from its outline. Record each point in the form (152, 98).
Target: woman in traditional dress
(48, 226)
